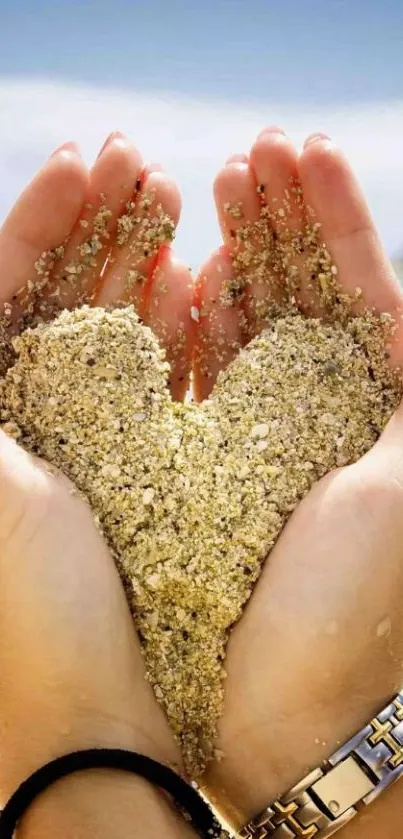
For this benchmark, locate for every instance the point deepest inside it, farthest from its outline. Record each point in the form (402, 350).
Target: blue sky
(289, 50)
(192, 82)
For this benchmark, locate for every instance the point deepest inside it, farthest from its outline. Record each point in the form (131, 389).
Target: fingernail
(114, 135)
(272, 129)
(316, 138)
(237, 158)
(152, 167)
(238, 161)
(69, 146)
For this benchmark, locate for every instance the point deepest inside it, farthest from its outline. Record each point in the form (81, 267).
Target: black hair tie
(201, 817)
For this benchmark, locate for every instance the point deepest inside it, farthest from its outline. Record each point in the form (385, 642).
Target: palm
(320, 646)
(60, 618)
(322, 633)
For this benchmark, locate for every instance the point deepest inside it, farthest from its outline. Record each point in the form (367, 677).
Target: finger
(347, 228)
(237, 202)
(148, 224)
(219, 331)
(249, 239)
(39, 222)
(113, 180)
(274, 161)
(168, 311)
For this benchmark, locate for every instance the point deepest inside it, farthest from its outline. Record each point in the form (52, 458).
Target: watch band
(330, 796)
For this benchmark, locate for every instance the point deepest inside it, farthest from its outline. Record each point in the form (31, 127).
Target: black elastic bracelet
(201, 817)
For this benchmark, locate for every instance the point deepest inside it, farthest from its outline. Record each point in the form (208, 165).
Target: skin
(49, 213)
(72, 671)
(319, 649)
(304, 611)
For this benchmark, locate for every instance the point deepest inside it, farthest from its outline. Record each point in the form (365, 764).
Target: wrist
(27, 743)
(264, 761)
(101, 804)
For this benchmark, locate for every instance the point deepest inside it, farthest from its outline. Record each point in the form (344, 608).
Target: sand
(191, 498)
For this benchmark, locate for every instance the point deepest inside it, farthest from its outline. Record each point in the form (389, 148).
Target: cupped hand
(319, 650)
(72, 675)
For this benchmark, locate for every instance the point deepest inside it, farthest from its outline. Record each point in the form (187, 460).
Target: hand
(319, 649)
(102, 260)
(72, 674)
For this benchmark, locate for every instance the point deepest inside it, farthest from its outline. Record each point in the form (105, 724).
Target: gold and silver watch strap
(331, 796)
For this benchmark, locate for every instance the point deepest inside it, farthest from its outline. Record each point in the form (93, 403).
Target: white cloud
(192, 138)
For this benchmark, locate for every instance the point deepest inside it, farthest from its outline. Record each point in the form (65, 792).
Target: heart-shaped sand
(191, 498)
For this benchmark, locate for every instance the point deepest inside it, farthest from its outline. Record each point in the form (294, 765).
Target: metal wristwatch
(330, 796)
